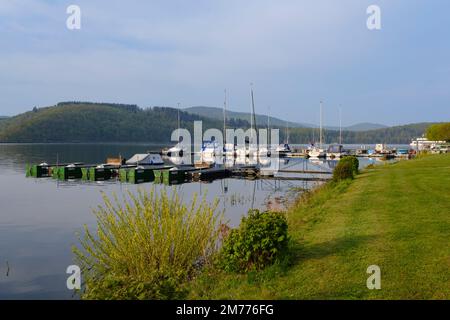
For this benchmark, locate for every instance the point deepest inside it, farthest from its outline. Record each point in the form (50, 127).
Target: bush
(354, 161)
(146, 247)
(261, 238)
(344, 170)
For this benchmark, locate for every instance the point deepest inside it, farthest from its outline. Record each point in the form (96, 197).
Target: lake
(39, 218)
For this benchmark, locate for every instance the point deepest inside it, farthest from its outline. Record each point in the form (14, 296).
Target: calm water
(39, 218)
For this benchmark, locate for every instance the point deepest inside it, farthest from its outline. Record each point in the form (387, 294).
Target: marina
(41, 216)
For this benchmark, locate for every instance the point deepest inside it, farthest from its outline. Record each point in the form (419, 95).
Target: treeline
(439, 132)
(128, 107)
(93, 122)
(392, 135)
(108, 122)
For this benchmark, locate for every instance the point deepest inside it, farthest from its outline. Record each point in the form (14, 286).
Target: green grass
(395, 216)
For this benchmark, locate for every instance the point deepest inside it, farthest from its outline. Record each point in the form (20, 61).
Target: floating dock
(210, 174)
(161, 174)
(45, 170)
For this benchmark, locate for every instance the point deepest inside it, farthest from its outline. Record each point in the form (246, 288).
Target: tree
(439, 132)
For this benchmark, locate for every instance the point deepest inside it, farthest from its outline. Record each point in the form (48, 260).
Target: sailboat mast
(178, 121)
(225, 118)
(251, 114)
(320, 137)
(340, 125)
(254, 119)
(178, 116)
(287, 132)
(268, 127)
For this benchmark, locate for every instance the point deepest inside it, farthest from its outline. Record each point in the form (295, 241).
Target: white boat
(175, 151)
(283, 149)
(264, 151)
(178, 150)
(318, 152)
(211, 149)
(381, 148)
(145, 159)
(424, 144)
(336, 151)
(229, 149)
(249, 148)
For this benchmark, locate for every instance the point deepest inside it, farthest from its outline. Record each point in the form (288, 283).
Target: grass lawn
(395, 216)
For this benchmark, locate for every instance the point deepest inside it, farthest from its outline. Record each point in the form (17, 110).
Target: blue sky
(295, 52)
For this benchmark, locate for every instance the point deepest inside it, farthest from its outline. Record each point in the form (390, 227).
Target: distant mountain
(261, 120)
(364, 126)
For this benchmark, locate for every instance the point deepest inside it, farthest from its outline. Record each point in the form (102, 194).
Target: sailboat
(212, 149)
(229, 149)
(336, 151)
(284, 149)
(264, 151)
(178, 150)
(250, 149)
(318, 152)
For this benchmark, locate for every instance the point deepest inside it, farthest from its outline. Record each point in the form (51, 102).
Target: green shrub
(147, 246)
(261, 238)
(344, 170)
(354, 161)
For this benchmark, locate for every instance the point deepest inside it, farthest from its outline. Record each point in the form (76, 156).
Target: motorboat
(424, 144)
(336, 151)
(316, 152)
(145, 159)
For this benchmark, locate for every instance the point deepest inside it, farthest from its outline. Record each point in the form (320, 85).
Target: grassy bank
(394, 216)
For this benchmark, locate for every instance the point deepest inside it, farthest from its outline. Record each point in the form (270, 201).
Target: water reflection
(39, 217)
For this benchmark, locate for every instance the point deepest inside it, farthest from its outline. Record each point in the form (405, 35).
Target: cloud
(159, 53)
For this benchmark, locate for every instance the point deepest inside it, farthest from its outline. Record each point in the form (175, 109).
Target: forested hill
(217, 113)
(392, 135)
(106, 122)
(97, 122)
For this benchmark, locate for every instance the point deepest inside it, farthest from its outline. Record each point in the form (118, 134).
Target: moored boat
(145, 159)
(423, 143)
(336, 151)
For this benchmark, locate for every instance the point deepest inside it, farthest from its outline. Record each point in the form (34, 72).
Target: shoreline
(382, 218)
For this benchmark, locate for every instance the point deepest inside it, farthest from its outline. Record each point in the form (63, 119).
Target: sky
(296, 53)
